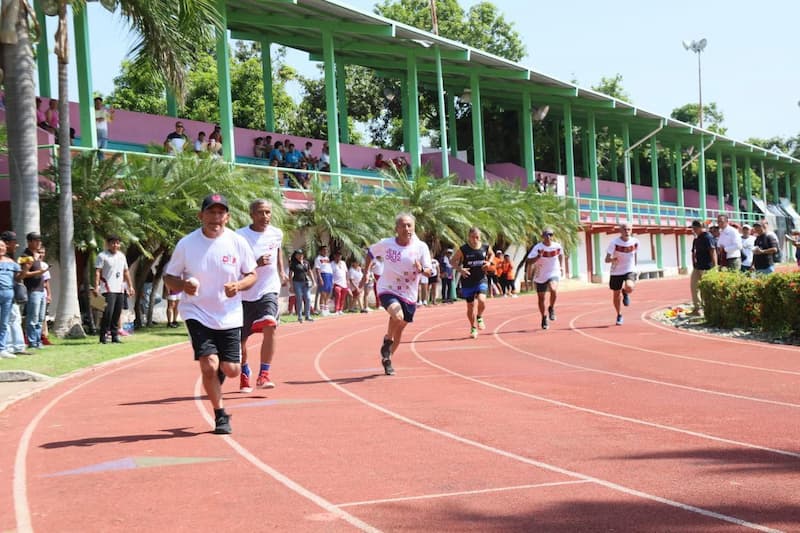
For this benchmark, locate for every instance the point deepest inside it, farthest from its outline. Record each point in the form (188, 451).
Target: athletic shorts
(226, 343)
(266, 305)
(388, 299)
(327, 282)
(544, 287)
(616, 282)
(174, 296)
(469, 293)
(433, 280)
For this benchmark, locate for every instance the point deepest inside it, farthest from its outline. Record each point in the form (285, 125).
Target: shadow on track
(173, 433)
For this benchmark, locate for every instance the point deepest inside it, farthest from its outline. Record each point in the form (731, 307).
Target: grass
(67, 355)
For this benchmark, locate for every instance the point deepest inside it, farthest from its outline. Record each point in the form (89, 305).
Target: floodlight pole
(700, 88)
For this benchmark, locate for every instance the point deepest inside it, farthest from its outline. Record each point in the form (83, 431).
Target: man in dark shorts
(472, 259)
(621, 254)
(212, 265)
(704, 258)
(405, 259)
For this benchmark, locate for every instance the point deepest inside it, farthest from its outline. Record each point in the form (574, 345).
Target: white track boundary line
(636, 378)
(520, 458)
(463, 493)
(669, 354)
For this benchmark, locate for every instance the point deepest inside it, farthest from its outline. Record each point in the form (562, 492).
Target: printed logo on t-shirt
(625, 249)
(392, 255)
(550, 253)
(228, 260)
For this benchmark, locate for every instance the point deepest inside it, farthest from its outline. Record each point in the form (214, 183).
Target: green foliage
(613, 88)
(769, 303)
(137, 90)
(712, 117)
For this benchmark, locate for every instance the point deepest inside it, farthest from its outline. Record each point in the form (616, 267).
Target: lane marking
(520, 458)
(673, 355)
(287, 482)
(496, 332)
(464, 493)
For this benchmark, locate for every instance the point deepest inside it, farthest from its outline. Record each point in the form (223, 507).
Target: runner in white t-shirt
(212, 265)
(260, 302)
(546, 259)
(405, 259)
(621, 254)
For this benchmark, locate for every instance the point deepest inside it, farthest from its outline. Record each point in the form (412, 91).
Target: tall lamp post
(697, 47)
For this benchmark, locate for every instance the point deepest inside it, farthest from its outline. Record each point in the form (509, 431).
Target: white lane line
(276, 475)
(463, 493)
(520, 458)
(20, 485)
(499, 339)
(673, 355)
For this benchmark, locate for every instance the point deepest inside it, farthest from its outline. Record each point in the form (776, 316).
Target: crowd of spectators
(179, 141)
(294, 165)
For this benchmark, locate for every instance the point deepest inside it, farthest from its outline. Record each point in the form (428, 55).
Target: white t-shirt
(268, 243)
(355, 275)
(731, 241)
(747, 250)
(400, 276)
(548, 262)
(323, 264)
(112, 268)
(46, 276)
(625, 251)
(434, 268)
(214, 262)
(101, 118)
(339, 273)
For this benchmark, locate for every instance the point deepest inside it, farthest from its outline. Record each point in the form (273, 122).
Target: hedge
(768, 303)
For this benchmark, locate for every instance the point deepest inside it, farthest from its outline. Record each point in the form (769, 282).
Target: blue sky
(751, 67)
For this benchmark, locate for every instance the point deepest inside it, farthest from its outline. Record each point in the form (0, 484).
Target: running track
(585, 427)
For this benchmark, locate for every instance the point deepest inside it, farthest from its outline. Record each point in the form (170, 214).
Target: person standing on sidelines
(260, 302)
(730, 244)
(472, 259)
(323, 274)
(704, 258)
(447, 275)
(405, 259)
(621, 254)
(546, 260)
(111, 271)
(15, 338)
(10, 273)
(212, 265)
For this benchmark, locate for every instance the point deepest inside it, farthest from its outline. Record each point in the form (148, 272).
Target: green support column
(224, 84)
(83, 65)
(787, 186)
(477, 128)
(597, 252)
(637, 168)
(266, 76)
(626, 165)
(775, 187)
(451, 123)
(681, 208)
(796, 190)
(701, 178)
(442, 112)
(42, 54)
(763, 183)
(720, 183)
(172, 103)
(613, 156)
(330, 107)
(559, 161)
(341, 99)
(748, 188)
(569, 145)
(735, 187)
(656, 198)
(585, 152)
(527, 139)
(404, 111)
(413, 113)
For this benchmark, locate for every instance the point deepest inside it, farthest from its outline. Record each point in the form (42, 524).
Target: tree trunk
(68, 315)
(21, 125)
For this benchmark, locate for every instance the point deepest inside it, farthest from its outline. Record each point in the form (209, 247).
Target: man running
(546, 259)
(472, 259)
(405, 259)
(212, 265)
(260, 302)
(621, 254)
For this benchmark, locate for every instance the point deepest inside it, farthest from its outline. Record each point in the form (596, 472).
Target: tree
(613, 88)
(712, 117)
(137, 90)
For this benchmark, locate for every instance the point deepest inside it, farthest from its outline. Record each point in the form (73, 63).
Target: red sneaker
(263, 381)
(244, 383)
(263, 322)
(46, 341)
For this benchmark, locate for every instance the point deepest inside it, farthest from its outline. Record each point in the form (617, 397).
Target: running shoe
(545, 325)
(386, 349)
(223, 425)
(551, 313)
(387, 366)
(263, 322)
(220, 376)
(473, 332)
(244, 383)
(481, 323)
(7, 355)
(263, 381)
(626, 299)
(619, 320)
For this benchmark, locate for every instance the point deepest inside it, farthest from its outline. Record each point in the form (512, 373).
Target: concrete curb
(21, 375)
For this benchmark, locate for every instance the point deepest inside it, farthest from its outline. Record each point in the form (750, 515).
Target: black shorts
(408, 309)
(544, 287)
(616, 282)
(226, 343)
(266, 305)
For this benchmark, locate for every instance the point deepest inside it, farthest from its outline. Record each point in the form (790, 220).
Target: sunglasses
(548, 234)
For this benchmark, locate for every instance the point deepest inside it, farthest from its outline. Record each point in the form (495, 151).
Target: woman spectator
(340, 289)
(51, 116)
(215, 141)
(10, 273)
(433, 282)
(354, 277)
(301, 281)
(376, 271)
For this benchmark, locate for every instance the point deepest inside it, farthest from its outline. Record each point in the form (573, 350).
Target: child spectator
(200, 145)
(340, 288)
(215, 140)
(354, 277)
(258, 148)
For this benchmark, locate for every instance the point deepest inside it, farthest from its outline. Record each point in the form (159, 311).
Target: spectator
(354, 277)
(215, 141)
(340, 285)
(325, 158)
(15, 339)
(300, 272)
(200, 145)
(268, 145)
(447, 276)
(764, 249)
(47, 297)
(176, 141)
(111, 272)
(376, 271)
(381, 163)
(103, 115)
(310, 159)
(507, 279)
(323, 274)
(41, 119)
(51, 116)
(794, 238)
(704, 258)
(173, 300)
(276, 154)
(433, 282)
(258, 148)
(10, 273)
(748, 241)
(32, 276)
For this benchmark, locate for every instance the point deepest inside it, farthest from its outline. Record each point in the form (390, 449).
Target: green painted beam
(720, 182)
(330, 108)
(266, 77)
(333, 26)
(442, 112)
(398, 50)
(527, 140)
(341, 99)
(655, 185)
(569, 149)
(597, 252)
(83, 63)
(701, 177)
(683, 268)
(735, 186)
(42, 53)
(224, 84)
(413, 115)
(451, 123)
(172, 103)
(626, 166)
(477, 129)
(748, 186)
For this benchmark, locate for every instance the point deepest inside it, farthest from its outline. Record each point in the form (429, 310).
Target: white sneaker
(7, 355)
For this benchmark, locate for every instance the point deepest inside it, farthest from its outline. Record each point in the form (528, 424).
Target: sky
(750, 67)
